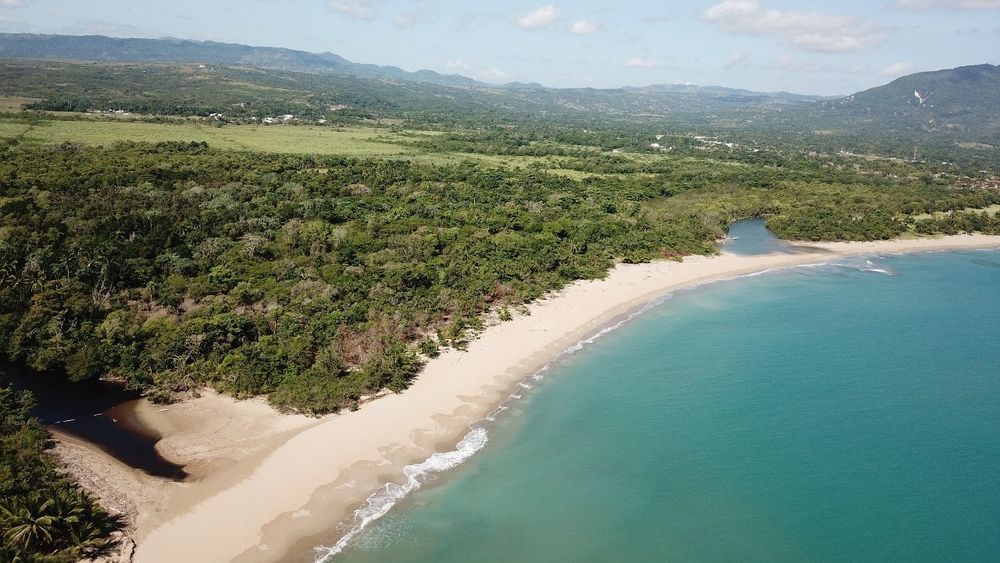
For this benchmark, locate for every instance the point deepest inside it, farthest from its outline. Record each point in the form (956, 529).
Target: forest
(319, 280)
(153, 232)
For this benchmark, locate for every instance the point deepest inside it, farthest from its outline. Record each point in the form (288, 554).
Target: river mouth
(751, 237)
(101, 413)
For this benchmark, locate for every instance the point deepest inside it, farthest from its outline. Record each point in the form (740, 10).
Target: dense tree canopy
(172, 266)
(319, 280)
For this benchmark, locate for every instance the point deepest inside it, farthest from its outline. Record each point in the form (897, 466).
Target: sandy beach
(267, 487)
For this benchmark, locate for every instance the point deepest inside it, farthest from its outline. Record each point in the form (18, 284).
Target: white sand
(265, 506)
(216, 437)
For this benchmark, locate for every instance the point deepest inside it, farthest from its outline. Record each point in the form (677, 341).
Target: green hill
(332, 72)
(961, 103)
(940, 115)
(113, 49)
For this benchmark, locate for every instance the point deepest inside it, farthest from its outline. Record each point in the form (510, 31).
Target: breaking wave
(385, 498)
(381, 501)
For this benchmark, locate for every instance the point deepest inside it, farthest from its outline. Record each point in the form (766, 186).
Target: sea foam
(385, 498)
(381, 501)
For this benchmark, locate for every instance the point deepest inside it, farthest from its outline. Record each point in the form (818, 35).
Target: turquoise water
(838, 413)
(752, 237)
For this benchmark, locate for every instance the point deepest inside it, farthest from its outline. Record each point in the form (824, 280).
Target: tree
(28, 525)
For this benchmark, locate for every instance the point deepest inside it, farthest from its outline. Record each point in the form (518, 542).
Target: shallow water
(751, 237)
(842, 412)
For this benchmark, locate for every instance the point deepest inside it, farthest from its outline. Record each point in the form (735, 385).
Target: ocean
(846, 411)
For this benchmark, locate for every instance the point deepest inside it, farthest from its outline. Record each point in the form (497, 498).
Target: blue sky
(807, 47)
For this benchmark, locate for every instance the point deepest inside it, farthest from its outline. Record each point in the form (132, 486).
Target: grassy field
(295, 139)
(274, 139)
(991, 210)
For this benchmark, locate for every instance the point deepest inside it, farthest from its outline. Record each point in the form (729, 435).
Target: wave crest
(379, 502)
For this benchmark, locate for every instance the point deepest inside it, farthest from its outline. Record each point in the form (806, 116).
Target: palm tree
(87, 525)
(67, 507)
(28, 524)
(68, 522)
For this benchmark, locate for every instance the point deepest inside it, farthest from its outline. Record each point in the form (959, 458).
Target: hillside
(961, 103)
(941, 115)
(240, 92)
(362, 79)
(113, 49)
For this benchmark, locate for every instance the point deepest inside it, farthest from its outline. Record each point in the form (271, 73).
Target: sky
(825, 48)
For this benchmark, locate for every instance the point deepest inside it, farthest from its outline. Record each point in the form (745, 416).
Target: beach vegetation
(179, 242)
(44, 515)
(316, 279)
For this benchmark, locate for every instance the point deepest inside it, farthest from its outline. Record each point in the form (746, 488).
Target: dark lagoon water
(99, 412)
(845, 412)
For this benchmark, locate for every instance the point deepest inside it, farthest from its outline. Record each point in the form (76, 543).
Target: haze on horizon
(768, 45)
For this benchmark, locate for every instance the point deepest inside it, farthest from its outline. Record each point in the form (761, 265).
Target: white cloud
(457, 64)
(585, 27)
(837, 43)
(542, 17)
(640, 62)
(420, 15)
(947, 4)
(736, 59)
(807, 30)
(11, 3)
(896, 69)
(362, 10)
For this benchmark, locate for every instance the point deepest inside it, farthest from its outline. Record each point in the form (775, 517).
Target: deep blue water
(846, 412)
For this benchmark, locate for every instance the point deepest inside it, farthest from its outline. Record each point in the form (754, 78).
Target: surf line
(385, 497)
(382, 500)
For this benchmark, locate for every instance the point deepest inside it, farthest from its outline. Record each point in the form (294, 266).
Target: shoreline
(304, 476)
(207, 434)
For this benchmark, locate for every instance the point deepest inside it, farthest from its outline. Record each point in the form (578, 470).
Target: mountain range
(113, 49)
(136, 50)
(955, 105)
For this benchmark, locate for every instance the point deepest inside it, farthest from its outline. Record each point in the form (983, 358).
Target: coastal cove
(296, 486)
(295, 481)
(804, 414)
(275, 296)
